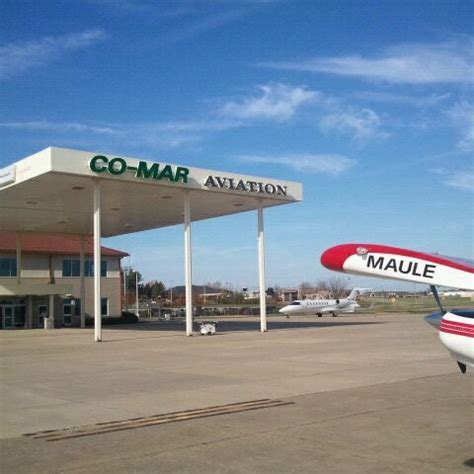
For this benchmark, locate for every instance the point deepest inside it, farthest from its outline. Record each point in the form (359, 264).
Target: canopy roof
(53, 244)
(52, 191)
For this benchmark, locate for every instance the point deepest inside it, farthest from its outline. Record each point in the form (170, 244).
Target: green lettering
(167, 173)
(116, 170)
(144, 172)
(181, 173)
(97, 164)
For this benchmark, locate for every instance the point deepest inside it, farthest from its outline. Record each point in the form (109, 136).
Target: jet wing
(400, 264)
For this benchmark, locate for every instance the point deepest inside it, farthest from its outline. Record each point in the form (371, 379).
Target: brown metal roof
(61, 244)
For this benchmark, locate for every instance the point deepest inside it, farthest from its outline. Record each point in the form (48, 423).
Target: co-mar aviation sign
(144, 170)
(178, 174)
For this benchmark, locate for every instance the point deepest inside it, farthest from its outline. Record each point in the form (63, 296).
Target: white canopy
(52, 191)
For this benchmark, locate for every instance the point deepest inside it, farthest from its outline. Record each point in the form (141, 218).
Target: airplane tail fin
(356, 292)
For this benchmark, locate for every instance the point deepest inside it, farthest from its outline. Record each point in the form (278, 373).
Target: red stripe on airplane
(457, 333)
(457, 323)
(454, 327)
(335, 257)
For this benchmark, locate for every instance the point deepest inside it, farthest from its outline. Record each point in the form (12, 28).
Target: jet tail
(355, 292)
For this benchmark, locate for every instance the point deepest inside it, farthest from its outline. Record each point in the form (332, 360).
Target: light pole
(125, 287)
(136, 293)
(171, 292)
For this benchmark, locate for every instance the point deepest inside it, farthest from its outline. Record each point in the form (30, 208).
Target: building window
(104, 306)
(7, 267)
(103, 268)
(71, 268)
(89, 268)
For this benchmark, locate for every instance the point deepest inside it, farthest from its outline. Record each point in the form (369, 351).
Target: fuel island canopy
(60, 190)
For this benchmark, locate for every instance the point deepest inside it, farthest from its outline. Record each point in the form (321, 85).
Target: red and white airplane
(456, 326)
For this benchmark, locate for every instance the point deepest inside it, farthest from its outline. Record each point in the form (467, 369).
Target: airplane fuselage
(318, 306)
(456, 332)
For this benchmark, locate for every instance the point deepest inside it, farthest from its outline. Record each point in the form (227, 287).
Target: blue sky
(368, 103)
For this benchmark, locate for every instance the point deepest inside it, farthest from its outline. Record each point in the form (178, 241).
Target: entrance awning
(37, 289)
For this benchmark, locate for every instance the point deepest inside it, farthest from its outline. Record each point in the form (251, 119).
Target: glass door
(8, 316)
(42, 313)
(67, 312)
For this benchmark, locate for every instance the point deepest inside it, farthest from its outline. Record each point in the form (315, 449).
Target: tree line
(156, 290)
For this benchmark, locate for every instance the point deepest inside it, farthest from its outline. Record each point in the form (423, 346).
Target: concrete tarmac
(368, 393)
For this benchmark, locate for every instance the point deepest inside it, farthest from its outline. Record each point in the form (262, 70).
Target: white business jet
(456, 326)
(319, 307)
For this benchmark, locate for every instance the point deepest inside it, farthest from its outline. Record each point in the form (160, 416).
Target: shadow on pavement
(226, 326)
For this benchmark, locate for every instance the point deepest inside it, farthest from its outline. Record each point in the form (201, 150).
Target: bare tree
(305, 288)
(306, 285)
(337, 286)
(322, 285)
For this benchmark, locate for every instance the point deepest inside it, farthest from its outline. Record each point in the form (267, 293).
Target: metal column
(18, 258)
(82, 283)
(137, 305)
(261, 270)
(97, 259)
(124, 288)
(188, 264)
(51, 311)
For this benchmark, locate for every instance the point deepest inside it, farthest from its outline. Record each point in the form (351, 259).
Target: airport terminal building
(70, 192)
(46, 275)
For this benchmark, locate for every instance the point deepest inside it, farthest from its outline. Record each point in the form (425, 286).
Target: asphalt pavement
(359, 393)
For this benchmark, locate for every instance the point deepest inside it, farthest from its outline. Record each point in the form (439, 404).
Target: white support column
(51, 311)
(261, 270)
(18, 258)
(97, 258)
(82, 283)
(188, 264)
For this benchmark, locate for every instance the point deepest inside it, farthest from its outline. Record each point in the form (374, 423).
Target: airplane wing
(400, 264)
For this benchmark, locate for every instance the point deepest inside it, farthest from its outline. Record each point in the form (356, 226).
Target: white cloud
(387, 97)
(462, 118)
(18, 57)
(153, 134)
(450, 62)
(463, 180)
(188, 30)
(278, 102)
(331, 164)
(362, 125)
(62, 127)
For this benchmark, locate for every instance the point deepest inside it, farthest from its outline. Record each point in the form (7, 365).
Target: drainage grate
(134, 423)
